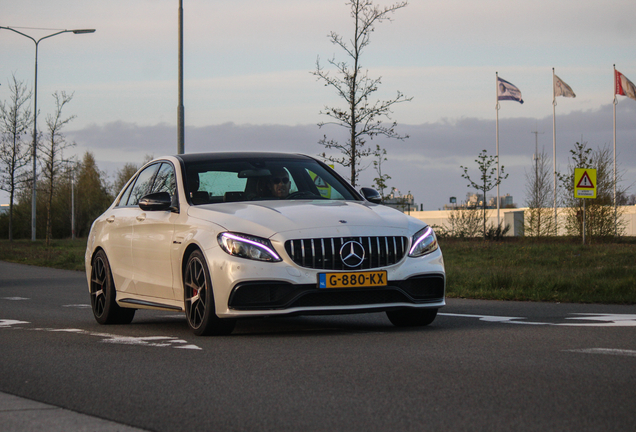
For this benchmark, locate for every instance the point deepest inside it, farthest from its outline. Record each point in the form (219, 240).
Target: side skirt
(143, 304)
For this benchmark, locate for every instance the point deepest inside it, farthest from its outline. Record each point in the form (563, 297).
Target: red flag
(623, 86)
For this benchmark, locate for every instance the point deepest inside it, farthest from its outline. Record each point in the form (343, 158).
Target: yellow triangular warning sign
(585, 182)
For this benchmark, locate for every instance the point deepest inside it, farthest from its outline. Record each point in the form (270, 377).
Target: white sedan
(222, 236)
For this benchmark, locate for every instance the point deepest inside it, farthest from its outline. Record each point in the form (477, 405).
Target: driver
(279, 183)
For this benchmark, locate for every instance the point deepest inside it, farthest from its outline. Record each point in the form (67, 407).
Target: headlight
(424, 242)
(246, 246)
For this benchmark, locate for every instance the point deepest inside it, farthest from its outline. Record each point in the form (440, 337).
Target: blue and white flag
(507, 91)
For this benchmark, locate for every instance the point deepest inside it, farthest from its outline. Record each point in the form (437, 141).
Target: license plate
(352, 279)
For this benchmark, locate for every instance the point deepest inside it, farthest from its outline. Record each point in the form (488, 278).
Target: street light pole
(35, 113)
(180, 109)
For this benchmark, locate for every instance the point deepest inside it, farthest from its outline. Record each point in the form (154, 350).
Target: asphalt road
(482, 365)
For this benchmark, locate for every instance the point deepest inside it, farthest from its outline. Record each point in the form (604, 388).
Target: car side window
(164, 181)
(124, 197)
(142, 184)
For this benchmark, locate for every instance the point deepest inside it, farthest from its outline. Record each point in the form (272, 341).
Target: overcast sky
(248, 83)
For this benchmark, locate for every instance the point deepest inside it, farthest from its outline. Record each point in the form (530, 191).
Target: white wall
(440, 217)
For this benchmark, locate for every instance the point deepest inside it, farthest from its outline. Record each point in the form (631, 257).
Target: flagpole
(615, 209)
(556, 226)
(497, 111)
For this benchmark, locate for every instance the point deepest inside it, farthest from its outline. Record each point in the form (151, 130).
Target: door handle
(141, 217)
(110, 219)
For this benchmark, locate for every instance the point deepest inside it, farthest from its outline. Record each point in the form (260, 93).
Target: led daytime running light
(428, 231)
(253, 243)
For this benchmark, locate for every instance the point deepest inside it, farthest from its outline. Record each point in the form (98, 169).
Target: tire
(199, 300)
(103, 294)
(411, 317)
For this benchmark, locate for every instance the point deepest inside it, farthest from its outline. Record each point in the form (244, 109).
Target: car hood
(306, 218)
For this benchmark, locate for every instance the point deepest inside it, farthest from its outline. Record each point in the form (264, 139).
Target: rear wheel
(199, 300)
(105, 308)
(411, 317)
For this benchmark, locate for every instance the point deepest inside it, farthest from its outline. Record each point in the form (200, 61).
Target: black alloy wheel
(103, 294)
(199, 300)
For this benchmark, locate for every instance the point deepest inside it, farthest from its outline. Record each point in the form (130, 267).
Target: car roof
(218, 156)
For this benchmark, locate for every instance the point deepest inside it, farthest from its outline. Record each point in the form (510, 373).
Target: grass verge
(62, 254)
(557, 270)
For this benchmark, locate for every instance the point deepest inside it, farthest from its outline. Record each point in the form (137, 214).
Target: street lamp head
(82, 31)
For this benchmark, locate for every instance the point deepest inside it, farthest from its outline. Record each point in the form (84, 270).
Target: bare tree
(539, 219)
(381, 179)
(361, 118)
(463, 222)
(488, 179)
(15, 120)
(51, 153)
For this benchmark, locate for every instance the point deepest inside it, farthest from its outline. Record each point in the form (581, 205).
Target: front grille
(324, 253)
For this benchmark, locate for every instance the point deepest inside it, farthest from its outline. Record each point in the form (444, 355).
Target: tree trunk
(484, 210)
(11, 217)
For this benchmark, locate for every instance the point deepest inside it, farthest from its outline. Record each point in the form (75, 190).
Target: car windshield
(217, 181)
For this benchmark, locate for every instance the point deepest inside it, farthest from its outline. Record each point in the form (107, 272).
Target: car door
(152, 241)
(120, 232)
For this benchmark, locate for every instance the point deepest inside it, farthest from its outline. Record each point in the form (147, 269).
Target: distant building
(505, 201)
(476, 200)
(404, 203)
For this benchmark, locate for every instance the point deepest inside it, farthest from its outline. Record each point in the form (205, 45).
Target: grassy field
(62, 254)
(557, 270)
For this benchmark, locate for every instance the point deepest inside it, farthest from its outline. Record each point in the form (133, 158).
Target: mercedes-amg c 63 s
(223, 236)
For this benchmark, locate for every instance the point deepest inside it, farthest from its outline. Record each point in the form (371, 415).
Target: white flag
(562, 89)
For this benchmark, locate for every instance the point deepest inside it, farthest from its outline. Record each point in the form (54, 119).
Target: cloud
(427, 164)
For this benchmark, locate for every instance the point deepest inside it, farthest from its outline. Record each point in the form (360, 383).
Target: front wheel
(411, 317)
(105, 308)
(199, 300)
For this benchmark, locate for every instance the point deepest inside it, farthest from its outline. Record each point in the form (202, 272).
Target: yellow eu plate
(352, 279)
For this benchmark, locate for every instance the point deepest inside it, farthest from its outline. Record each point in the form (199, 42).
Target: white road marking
(604, 320)
(78, 306)
(484, 317)
(10, 323)
(15, 298)
(153, 341)
(609, 351)
(156, 341)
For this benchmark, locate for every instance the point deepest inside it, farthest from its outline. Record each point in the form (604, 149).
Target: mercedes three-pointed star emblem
(352, 254)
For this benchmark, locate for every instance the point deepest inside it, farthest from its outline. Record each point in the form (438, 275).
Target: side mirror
(371, 195)
(156, 202)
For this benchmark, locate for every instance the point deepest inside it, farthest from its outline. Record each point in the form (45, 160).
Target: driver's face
(279, 184)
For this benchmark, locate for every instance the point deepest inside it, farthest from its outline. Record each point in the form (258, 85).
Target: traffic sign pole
(583, 222)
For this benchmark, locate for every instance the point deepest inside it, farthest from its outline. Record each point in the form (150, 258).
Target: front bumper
(273, 295)
(245, 288)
